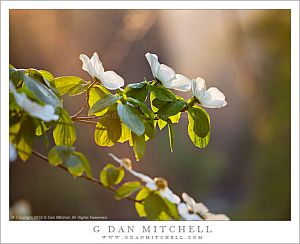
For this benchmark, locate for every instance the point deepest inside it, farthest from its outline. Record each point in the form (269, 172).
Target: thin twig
(85, 118)
(87, 96)
(45, 158)
(86, 121)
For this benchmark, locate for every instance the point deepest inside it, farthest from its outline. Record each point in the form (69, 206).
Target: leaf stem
(87, 96)
(95, 181)
(191, 103)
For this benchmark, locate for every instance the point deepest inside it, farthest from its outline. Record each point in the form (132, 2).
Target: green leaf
(127, 189)
(64, 83)
(152, 98)
(137, 85)
(150, 131)
(95, 94)
(74, 165)
(42, 92)
(125, 135)
(170, 109)
(171, 135)
(35, 74)
(142, 106)
(23, 141)
(139, 146)
(58, 154)
(109, 129)
(85, 163)
(162, 93)
(201, 121)
(137, 91)
(142, 195)
(161, 124)
(78, 89)
(199, 126)
(17, 76)
(41, 128)
(158, 103)
(75, 162)
(103, 103)
(132, 118)
(175, 118)
(47, 75)
(153, 206)
(64, 132)
(111, 175)
(171, 209)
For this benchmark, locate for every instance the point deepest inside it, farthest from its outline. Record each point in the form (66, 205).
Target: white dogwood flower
(185, 213)
(211, 98)
(167, 75)
(45, 112)
(156, 184)
(198, 208)
(110, 79)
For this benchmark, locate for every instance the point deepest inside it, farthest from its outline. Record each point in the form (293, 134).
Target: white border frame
(82, 232)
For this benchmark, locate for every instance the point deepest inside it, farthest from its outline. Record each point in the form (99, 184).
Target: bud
(127, 162)
(161, 183)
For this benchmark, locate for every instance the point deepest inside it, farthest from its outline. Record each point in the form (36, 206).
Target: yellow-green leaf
(64, 132)
(97, 92)
(127, 189)
(111, 175)
(109, 129)
(139, 145)
(199, 126)
(142, 195)
(64, 83)
(132, 118)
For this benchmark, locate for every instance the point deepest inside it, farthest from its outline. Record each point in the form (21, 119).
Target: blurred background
(245, 170)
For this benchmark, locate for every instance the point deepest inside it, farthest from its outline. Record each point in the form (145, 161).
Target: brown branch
(45, 158)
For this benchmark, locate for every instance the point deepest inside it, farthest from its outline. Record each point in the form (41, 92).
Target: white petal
(12, 153)
(184, 213)
(213, 98)
(168, 194)
(182, 209)
(86, 64)
(211, 216)
(201, 209)
(198, 87)
(120, 161)
(151, 185)
(165, 74)
(181, 83)
(143, 177)
(153, 62)
(46, 112)
(193, 217)
(111, 80)
(97, 65)
(189, 201)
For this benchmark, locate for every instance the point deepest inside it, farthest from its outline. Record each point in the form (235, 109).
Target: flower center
(127, 162)
(161, 183)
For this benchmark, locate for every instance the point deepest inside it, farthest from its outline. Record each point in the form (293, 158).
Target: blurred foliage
(268, 192)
